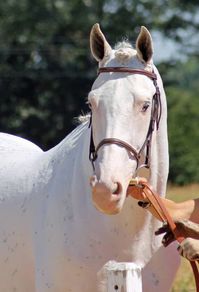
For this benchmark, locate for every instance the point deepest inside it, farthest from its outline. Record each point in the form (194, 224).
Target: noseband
(155, 118)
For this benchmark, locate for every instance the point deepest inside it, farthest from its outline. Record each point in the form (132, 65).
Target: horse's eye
(89, 105)
(145, 107)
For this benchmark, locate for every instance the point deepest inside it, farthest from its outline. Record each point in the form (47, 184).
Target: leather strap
(118, 142)
(164, 215)
(127, 70)
(156, 110)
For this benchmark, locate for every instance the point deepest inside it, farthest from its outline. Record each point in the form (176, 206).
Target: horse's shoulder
(12, 143)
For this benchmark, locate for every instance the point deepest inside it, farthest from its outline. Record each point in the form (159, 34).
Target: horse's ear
(144, 45)
(100, 48)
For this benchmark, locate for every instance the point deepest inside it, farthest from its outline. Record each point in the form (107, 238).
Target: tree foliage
(45, 65)
(183, 108)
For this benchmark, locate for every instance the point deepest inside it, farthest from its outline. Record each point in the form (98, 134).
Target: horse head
(122, 105)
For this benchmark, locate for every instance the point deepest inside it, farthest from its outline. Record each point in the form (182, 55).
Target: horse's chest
(97, 239)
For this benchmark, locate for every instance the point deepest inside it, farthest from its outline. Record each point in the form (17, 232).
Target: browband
(151, 75)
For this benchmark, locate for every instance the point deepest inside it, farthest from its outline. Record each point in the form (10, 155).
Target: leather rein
(155, 201)
(155, 119)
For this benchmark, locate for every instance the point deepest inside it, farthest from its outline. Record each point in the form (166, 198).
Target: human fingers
(164, 228)
(168, 238)
(180, 250)
(189, 248)
(188, 228)
(144, 204)
(181, 225)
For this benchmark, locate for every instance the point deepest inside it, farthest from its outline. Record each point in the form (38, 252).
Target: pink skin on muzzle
(106, 198)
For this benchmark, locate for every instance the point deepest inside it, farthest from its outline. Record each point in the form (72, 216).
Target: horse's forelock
(123, 44)
(83, 118)
(124, 52)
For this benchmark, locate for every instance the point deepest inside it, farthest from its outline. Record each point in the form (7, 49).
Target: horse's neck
(69, 159)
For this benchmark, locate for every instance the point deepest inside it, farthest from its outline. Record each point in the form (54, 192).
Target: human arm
(188, 210)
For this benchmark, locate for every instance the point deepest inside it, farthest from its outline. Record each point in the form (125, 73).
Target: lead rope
(164, 215)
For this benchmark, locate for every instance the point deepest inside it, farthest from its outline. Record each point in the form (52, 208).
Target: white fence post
(123, 277)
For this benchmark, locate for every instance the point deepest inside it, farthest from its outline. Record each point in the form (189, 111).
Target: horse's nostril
(117, 188)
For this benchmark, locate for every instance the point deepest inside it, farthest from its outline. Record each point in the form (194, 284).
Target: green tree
(183, 118)
(45, 66)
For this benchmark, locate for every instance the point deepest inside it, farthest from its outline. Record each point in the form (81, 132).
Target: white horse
(52, 237)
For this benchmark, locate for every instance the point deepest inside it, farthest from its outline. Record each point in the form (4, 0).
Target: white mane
(83, 118)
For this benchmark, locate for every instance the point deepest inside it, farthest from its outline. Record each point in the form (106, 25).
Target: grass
(184, 281)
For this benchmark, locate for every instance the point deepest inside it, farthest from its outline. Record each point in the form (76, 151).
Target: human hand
(189, 248)
(185, 228)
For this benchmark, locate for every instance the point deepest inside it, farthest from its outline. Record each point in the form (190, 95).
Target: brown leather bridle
(155, 118)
